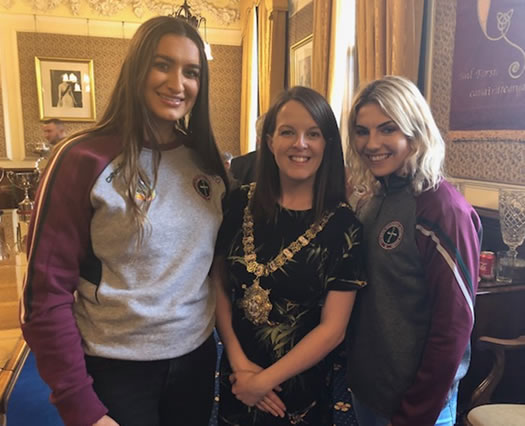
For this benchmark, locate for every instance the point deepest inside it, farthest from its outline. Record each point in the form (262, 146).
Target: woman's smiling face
(379, 141)
(297, 144)
(173, 81)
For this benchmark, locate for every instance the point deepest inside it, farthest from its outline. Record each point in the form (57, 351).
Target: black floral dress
(331, 261)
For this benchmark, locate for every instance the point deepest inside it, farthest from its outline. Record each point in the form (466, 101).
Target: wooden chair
(483, 412)
(9, 375)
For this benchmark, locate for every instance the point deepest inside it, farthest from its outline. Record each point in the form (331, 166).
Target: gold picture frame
(65, 88)
(301, 62)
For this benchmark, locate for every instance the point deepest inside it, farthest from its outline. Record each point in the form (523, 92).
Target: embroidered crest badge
(203, 186)
(391, 235)
(141, 193)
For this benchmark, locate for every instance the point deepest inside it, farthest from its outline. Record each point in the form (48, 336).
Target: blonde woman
(409, 334)
(117, 306)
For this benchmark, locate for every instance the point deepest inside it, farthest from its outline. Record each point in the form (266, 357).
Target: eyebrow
(292, 126)
(379, 125)
(171, 61)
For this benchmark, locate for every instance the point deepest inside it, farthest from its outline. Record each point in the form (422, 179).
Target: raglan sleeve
(58, 242)
(448, 238)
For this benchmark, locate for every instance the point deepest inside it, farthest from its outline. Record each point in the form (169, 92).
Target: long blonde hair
(128, 115)
(401, 100)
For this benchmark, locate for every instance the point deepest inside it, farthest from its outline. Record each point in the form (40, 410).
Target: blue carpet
(29, 403)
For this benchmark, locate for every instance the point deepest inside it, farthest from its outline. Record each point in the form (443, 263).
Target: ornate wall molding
(225, 15)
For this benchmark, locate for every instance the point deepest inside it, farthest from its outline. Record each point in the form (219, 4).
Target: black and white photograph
(65, 89)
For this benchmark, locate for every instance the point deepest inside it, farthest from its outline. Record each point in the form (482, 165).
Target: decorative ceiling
(224, 12)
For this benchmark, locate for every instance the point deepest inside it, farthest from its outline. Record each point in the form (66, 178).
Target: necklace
(255, 302)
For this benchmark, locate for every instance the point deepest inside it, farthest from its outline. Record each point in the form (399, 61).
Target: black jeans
(170, 392)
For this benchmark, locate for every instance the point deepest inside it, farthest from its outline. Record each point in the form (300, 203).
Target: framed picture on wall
(301, 62)
(65, 89)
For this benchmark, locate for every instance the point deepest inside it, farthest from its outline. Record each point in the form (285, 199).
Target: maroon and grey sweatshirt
(91, 290)
(410, 330)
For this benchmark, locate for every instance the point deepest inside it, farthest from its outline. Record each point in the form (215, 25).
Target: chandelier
(184, 12)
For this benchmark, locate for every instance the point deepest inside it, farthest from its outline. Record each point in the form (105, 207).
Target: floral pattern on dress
(331, 261)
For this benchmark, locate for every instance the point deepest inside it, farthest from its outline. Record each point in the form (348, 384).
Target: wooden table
(500, 312)
(9, 373)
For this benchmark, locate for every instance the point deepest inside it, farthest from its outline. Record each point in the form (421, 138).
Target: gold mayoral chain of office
(256, 302)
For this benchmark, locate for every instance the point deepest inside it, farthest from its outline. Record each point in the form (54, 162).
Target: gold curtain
(272, 50)
(388, 38)
(322, 55)
(248, 81)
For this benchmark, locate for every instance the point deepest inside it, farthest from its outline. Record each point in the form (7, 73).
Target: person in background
(288, 263)
(227, 159)
(54, 131)
(243, 167)
(408, 341)
(117, 305)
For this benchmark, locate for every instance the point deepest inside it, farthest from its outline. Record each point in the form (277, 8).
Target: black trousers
(170, 392)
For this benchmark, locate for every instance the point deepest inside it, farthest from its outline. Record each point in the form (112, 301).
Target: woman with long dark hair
(117, 305)
(288, 264)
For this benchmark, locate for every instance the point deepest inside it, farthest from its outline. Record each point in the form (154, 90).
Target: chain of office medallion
(259, 269)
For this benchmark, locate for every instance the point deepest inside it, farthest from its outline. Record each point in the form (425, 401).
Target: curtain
(342, 76)
(249, 84)
(272, 50)
(388, 38)
(323, 54)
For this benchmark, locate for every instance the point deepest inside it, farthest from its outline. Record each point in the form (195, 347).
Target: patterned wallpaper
(225, 96)
(3, 147)
(494, 161)
(301, 24)
(107, 55)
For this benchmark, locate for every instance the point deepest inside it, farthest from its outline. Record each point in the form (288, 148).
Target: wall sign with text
(488, 80)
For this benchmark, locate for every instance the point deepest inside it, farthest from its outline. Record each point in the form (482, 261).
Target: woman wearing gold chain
(289, 261)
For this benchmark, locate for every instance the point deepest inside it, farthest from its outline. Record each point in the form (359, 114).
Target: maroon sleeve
(58, 244)
(448, 237)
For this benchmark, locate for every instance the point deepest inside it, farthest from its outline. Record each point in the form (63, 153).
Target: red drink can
(487, 264)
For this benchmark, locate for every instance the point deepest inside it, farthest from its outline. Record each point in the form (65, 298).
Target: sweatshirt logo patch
(203, 186)
(142, 192)
(391, 235)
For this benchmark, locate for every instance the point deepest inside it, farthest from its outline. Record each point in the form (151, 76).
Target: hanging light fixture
(184, 12)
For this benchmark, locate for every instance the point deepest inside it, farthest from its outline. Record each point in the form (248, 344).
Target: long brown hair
(128, 115)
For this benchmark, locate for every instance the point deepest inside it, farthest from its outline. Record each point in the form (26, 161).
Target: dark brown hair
(329, 185)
